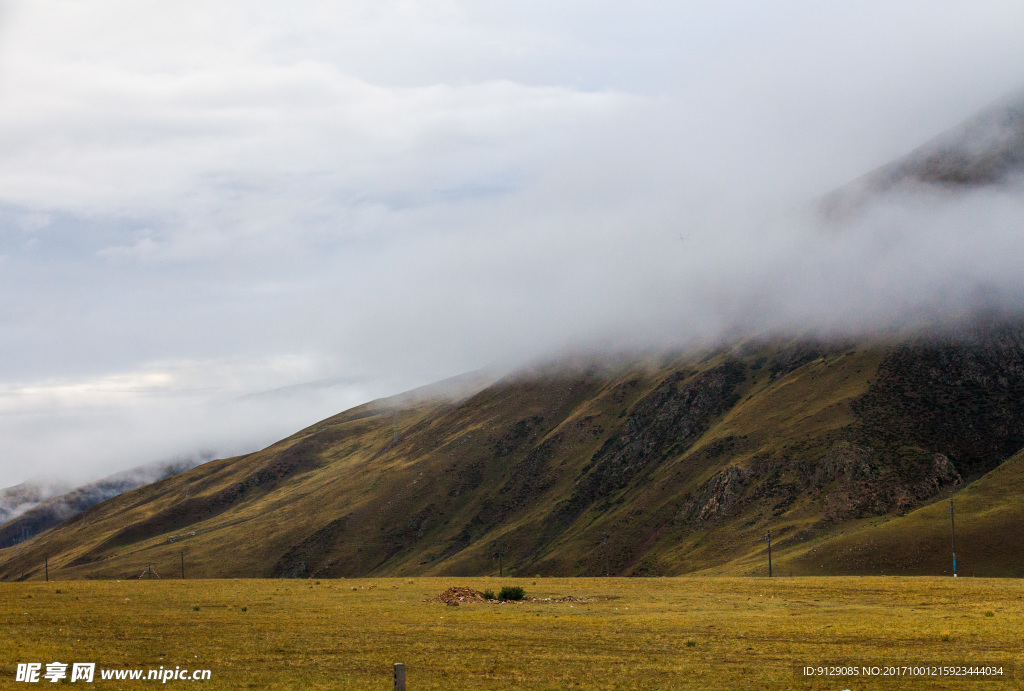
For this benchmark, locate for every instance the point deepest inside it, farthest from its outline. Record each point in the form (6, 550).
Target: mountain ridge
(984, 151)
(661, 466)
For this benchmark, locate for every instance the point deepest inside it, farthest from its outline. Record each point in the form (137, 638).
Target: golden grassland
(634, 633)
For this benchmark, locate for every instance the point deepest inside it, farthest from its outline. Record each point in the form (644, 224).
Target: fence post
(399, 676)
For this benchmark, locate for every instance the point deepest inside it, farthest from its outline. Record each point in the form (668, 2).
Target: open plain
(626, 633)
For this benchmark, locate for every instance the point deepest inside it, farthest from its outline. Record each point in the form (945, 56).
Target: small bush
(987, 614)
(945, 635)
(691, 644)
(195, 608)
(58, 592)
(318, 582)
(489, 595)
(245, 609)
(511, 592)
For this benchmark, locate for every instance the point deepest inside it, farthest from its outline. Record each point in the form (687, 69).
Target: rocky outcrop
(664, 423)
(853, 482)
(960, 397)
(720, 496)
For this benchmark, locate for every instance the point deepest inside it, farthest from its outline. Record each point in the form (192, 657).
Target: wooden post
(47, 563)
(182, 564)
(399, 676)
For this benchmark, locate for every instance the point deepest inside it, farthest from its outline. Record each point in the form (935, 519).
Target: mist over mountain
(199, 205)
(32, 507)
(986, 151)
(16, 500)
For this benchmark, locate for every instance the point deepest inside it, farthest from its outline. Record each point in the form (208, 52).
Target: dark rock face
(515, 437)
(854, 483)
(664, 423)
(718, 497)
(849, 481)
(960, 398)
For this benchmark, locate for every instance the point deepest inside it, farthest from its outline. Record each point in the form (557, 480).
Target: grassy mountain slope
(670, 465)
(989, 517)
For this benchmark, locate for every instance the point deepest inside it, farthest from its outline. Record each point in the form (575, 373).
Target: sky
(222, 222)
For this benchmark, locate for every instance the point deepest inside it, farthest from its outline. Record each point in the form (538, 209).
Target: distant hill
(32, 507)
(18, 499)
(985, 151)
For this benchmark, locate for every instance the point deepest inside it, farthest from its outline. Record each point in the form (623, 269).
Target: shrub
(511, 592)
(987, 614)
(245, 609)
(489, 595)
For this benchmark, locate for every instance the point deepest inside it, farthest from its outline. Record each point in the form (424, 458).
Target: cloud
(200, 202)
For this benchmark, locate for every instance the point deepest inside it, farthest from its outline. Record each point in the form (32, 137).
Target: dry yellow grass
(660, 633)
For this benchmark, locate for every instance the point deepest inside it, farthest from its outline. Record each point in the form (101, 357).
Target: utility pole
(952, 534)
(498, 554)
(768, 537)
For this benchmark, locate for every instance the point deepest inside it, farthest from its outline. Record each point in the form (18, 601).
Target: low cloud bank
(202, 205)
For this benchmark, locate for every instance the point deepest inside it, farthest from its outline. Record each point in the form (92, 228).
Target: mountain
(18, 499)
(31, 508)
(667, 465)
(983, 152)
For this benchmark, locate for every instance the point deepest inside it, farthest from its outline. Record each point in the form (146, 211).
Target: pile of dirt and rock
(457, 596)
